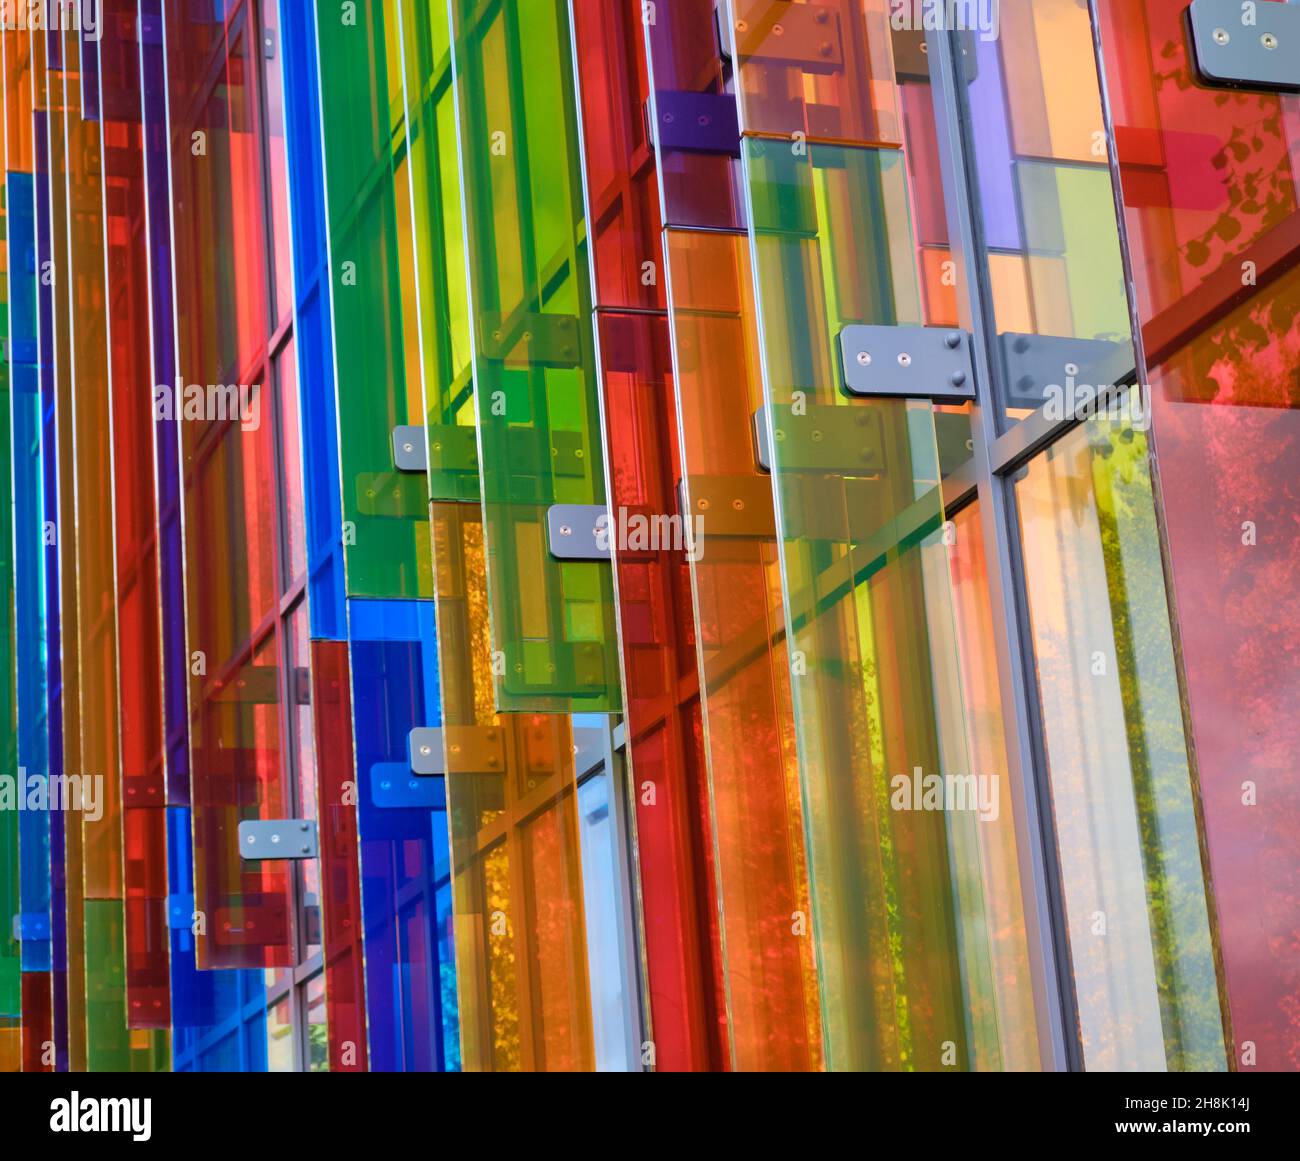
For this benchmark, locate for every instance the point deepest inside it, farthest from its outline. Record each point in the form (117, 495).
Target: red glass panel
(345, 988)
(135, 515)
(1210, 206)
(38, 1023)
(232, 532)
(652, 579)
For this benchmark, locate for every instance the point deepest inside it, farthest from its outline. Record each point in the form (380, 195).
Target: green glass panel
(111, 1046)
(554, 634)
(898, 895)
(439, 245)
(511, 778)
(386, 530)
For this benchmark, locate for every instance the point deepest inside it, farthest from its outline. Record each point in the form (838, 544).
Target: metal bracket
(394, 787)
(32, 926)
(575, 531)
(1227, 52)
(731, 506)
(180, 911)
(277, 839)
(912, 54)
(804, 35)
(394, 494)
(822, 437)
(472, 749)
(547, 340)
(410, 449)
(908, 363)
(1035, 363)
(697, 123)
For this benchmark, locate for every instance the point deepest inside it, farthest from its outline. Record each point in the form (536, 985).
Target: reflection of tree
(1260, 188)
(1238, 452)
(1175, 885)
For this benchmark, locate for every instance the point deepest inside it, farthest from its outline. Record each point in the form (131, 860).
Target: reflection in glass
(1120, 777)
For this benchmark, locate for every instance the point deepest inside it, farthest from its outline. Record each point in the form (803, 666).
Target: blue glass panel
(312, 325)
(218, 1017)
(405, 856)
(30, 563)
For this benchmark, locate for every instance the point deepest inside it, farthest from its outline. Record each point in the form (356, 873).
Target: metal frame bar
(994, 459)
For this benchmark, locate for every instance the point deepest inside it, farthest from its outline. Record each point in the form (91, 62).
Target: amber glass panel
(822, 69)
(520, 932)
(1120, 775)
(744, 676)
(993, 936)
(1209, 184)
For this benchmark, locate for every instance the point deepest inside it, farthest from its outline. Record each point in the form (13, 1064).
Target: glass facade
(647, 535)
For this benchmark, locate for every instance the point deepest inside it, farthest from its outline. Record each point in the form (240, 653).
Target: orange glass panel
(520, 930)
(744, 676)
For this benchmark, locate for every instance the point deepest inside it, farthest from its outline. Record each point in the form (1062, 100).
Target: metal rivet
(904, 360)
(864, 359)
(1268, 40)
(953, 340)
(958, 378)
(1221, 36)
(565, 530)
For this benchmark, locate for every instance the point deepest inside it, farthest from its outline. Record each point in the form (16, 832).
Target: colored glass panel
(650, 544)
(375, 335)
(225, 404)
(166, 441)
(747, 715)
(869, 604)
(1209, 185)
(553, 622)
(406, 894)
(521, 960)
(1052, 259)
(693, 117)
(341, 924)
(135, 514)
(1006, 1028)
(1121, 788)
(313, 336)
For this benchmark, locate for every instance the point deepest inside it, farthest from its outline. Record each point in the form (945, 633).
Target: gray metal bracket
(473, 749)
(822, 437)
(410, 449)
(548, 340)
(908, 362)
(1229, 52)
(1035, 364)
(576, 531)
(277, 839)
